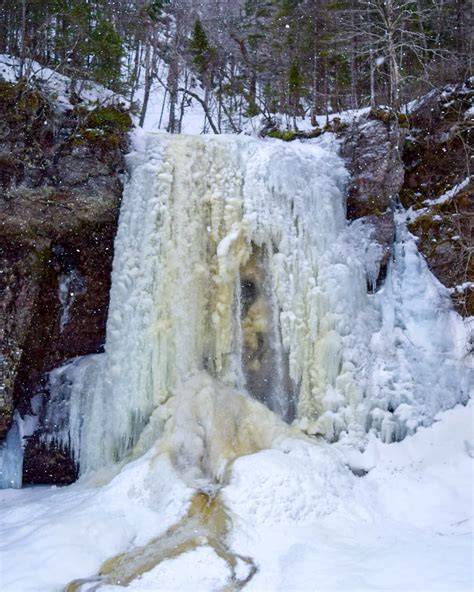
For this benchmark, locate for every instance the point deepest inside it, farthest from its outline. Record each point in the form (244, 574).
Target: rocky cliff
(420, 164)
(60, 193)
(372, 147)
(438, 188)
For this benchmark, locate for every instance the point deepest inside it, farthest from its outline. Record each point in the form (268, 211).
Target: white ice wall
(194, 209)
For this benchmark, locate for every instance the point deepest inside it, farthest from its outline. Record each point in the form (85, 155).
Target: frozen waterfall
(235, 270)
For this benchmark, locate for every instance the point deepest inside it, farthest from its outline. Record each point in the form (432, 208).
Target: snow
(450, 193)
(57, 85)
(200, 570)
(157, 114)
(413, 214)
(255, 125)
(85, 523)
(404, 526)
(305, 519)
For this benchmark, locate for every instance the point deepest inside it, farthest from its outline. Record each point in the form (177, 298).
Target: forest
(242, 58)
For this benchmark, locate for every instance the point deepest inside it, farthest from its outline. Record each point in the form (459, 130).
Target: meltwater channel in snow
(237, 283)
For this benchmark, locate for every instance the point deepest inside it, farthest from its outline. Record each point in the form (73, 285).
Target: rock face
(371, 147)
(420, 162)
(60, 193)
(438, 189)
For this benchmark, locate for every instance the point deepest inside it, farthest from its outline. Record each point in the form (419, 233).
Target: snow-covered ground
(94, 94)
(305, 519)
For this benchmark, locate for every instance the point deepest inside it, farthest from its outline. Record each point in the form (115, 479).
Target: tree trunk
(148, 80)
(173, 74)
(23, 39)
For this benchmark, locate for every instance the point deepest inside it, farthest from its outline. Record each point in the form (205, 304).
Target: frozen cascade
(11, 449)
(11, 457)
(233, 261)
(71, 284)
(420, 354)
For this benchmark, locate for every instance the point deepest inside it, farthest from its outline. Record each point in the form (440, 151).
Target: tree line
(241, 58)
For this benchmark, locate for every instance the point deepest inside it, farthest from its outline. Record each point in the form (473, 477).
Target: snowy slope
(308, 522)
(57, 85)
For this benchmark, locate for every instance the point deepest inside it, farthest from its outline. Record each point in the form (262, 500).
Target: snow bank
(407, 525)
(50, 536)
(307, 522)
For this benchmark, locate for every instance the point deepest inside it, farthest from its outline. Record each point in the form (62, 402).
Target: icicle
(11, 457)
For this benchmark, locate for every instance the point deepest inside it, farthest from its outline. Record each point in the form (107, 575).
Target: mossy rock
(335, 125)
(8, 92)
(30, 102)
(96, 138)
(409, 198)
(388, 116)
(24, 110)
(403, 120)
(285, 135)
(462, 202)
(103, 128)
(109, 119)
(289, 135)
(425, 225)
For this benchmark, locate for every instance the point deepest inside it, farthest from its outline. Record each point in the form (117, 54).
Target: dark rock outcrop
(47, 464)
(60, 193)
(371, 147)
(420, 162)
(438, 188)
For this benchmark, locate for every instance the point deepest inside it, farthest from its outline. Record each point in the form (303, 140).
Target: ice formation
(11, 457)
(11, 449)
(71, 284)
(234, 269)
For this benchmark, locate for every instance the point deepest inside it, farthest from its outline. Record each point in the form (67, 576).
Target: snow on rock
(412, 214)
(306, 480)
(58, 85)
